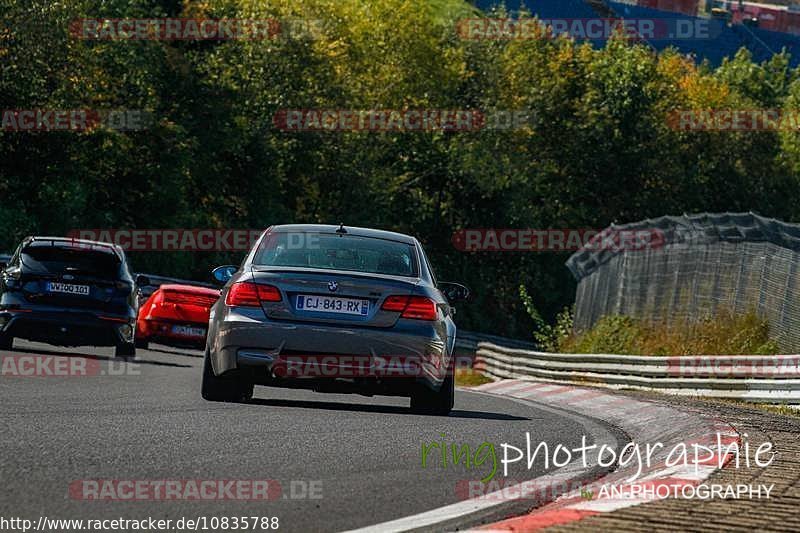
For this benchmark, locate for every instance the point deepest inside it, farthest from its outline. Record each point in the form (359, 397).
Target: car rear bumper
(67, 328)
(245, 342)
(161, 331)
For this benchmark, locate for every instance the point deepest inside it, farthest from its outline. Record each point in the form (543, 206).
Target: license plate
(67, 288)
(333, 304)
(188, 331)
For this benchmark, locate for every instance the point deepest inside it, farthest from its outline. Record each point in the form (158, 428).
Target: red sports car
(176, 315)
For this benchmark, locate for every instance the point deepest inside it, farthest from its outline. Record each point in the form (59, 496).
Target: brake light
(395, 303)
(249, 294)
(420, 308)
(186, 298)
(416, 307)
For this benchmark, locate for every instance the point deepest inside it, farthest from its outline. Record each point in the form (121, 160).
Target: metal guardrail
(155, 281)
(467, 342)
(762, 379)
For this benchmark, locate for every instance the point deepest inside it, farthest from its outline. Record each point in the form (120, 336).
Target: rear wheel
(215, 389)
(125, 351)
(141, 343)
(426, 401)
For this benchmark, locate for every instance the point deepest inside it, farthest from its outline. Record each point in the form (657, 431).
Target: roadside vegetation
(466, 377)
(778, 409)
(774, 408)
(598, 149)
(724, 333)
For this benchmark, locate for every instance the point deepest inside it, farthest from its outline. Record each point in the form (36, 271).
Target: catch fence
(701, 265)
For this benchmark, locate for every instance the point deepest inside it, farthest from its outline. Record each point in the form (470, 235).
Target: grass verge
(723, 334)
(470, 378)
(778, 409)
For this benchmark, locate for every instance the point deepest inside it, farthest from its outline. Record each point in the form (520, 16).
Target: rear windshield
(77, 260)
(337, 252)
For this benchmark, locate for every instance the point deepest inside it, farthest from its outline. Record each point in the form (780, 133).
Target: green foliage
(466, 377)
(611, 335)
(723, 334)
(598, 149)
(548, 337)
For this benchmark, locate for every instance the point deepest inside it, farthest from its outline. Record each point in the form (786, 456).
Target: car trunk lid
(333, 297)
(69, 290)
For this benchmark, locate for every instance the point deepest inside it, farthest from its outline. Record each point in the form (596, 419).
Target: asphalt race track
(146, 421)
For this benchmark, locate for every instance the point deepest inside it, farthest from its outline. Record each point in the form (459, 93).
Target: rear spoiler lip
(109, 249)
(345, 273)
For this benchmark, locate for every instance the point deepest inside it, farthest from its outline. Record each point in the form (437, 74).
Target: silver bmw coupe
(333, 309)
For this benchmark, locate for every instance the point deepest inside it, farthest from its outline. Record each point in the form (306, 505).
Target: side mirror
(224, 273)
(454, 292)
(142, 281)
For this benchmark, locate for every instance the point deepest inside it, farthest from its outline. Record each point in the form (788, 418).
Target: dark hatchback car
(68, 292)
(333, 309)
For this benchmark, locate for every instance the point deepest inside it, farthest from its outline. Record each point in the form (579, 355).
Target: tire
(6, 342)
(440, 403)
(141, 343)
(215, 389)
(125, 351)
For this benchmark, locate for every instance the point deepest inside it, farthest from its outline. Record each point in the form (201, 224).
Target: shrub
(548, 337)
(725, 333)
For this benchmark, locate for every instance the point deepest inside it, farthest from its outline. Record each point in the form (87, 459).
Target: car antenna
(341, 229)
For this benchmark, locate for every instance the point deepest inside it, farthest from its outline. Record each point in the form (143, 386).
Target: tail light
(199, 300)
(155, 299)
(152, 302)
(11, 278)
(416, 307)
(249, 294)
